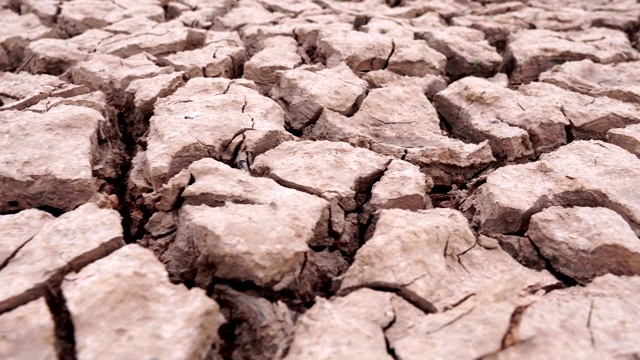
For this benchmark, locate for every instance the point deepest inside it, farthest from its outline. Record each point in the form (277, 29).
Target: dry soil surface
(319, 179)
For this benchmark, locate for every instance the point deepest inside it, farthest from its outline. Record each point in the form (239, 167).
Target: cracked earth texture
(319, 179)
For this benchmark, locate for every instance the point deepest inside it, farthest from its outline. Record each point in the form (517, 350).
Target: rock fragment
(124, 305)
(65, 244)
(515, 125)
(307, 93)
(627, 138)
(583, 173)
(586, 242)
(617, 81)
(442, 264)
(467, 52)
(344, 328)
(532, 52)
(333, 170)
(28, 332)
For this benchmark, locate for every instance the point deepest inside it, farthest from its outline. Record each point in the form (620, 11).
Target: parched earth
(293, 179)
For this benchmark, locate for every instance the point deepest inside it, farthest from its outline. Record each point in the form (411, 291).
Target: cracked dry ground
(291, 179)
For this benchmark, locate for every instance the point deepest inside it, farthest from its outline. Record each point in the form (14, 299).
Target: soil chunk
(585, 242)
(119, 311)
(65, 244)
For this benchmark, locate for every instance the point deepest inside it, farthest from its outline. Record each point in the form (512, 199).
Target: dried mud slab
(583, 173)
(28, 332)
(202, 119)
(52, 56)
(343, 328)
(583, 322)
(430, 84)
(306, 92)
(17, 32)
(517, 126)
(18, 229)
(532, 52)
(475, 327)
(467, 52)
(45, 10)
(78, 16)
(442, 262)
(61, 175)
(161, 39)
(246, 12)
(585, 242)
(280, 160)
(118, 310)
(617, 81)
(265, 327)
(333, 170)
(64, 244)
(223, 210)
(627, 138)
(122, 72)
(141, 96)
(502, 22)
(410, 131)
(279, 54)
(590, 117)
(22, 90)
(360, 51)
(197, 13)
(402, 186)
(620, 14)
(223, 55)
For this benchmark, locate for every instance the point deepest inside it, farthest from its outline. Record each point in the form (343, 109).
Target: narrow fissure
(566, 280)
(13, 254)
(65, 342)
(390, 350)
